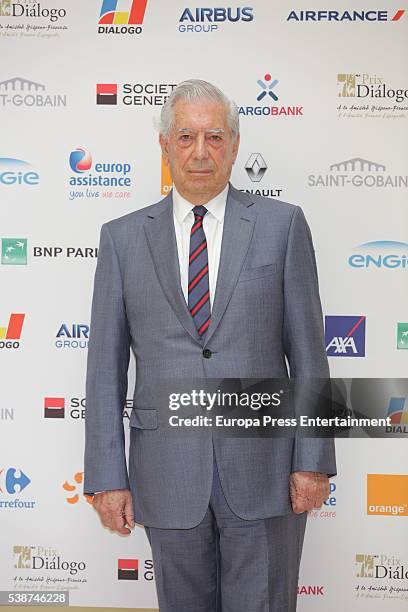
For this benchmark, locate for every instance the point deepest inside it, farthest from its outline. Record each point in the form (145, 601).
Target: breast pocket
(258, 272)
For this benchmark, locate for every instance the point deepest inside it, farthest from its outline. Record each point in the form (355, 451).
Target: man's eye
(185, 137)
(215, 138)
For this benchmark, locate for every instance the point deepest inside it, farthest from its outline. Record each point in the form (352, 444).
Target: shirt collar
(216, 206)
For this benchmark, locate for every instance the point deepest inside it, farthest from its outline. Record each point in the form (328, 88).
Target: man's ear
(164, 143)
(235, 148)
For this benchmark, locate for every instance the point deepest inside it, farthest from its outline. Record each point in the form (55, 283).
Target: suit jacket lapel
(161, 237)
(239, 222)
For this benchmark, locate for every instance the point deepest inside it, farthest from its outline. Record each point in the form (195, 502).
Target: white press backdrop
(50, 535)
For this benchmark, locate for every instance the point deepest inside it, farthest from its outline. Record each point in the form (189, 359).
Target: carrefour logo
(387, 254)
(17, 172)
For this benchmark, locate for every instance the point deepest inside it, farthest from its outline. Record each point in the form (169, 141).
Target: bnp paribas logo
(14, 251)
(402, 336)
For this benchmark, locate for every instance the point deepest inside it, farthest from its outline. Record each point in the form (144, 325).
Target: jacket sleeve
(303, 338)
(106, 376)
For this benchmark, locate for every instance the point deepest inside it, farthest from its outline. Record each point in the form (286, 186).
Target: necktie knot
(199, 211)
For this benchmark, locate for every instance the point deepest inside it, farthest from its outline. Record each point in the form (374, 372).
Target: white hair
(194, 90)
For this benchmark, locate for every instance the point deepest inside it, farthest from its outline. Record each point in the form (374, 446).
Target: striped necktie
(198, 283)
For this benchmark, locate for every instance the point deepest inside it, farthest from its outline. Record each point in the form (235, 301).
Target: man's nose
(200, 147)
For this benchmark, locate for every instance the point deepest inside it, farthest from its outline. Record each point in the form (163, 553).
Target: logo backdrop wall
(323, 97)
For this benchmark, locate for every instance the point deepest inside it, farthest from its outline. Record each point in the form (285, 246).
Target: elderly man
(209, 283)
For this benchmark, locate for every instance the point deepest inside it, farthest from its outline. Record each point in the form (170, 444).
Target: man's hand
(115, 509)
(308, 490)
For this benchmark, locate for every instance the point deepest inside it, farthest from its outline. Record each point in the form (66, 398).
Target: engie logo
(337, 16)
(387, 494)
(208, 19)
(112, 21)
(386, 254)
(16, 172)
(10, 335)
(267, 91)
(345, 336)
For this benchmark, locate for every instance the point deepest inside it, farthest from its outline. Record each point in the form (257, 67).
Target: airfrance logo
(267, 92)
(17, 172)
(385, 254)
(21, 93)
(345, 16)
(345, 336)
(208, 19)
(358, 172)
(112, 21)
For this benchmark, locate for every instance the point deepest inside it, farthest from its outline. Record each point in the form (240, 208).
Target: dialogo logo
(113, 21)
(387, 494)
(374, 97)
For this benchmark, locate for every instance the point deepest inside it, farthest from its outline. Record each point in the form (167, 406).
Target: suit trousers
(226, 563)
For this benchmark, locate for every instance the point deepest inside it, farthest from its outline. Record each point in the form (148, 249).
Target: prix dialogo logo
(384, 254)
(267, 92)
(371, 97)
(17, 172)
(369, 16)
(22, 93)
(380, 576)
(387, 494)
(10, 335)
(345, 335)
(358, 172)
(113, 177)
(209, 19)
(31, 19)
(114, 21)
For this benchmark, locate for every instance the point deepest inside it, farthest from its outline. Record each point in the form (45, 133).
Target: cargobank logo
(346, 16)
(265, 93)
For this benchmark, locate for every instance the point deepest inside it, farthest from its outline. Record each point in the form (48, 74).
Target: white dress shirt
(213, 225)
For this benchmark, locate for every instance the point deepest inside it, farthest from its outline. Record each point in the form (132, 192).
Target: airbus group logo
(345, 16)
(114, 21)
(384, 254)
(17, 172)
(345, 336)
(208, 20)
(267, 92)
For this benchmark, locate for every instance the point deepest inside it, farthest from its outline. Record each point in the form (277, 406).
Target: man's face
(200, 149)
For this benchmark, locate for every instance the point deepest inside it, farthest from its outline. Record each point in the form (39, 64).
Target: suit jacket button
(207, 353)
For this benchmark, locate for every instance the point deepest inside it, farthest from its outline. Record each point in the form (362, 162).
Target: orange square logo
(387, 494)
(166, 180)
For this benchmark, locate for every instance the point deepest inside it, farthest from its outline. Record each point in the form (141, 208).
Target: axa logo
(345, 336)
(347, 16)
(80, 160)
(17, 172)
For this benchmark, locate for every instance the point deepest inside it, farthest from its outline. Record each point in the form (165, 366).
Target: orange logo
(166, 180)
(73, 499)
(387, 494)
